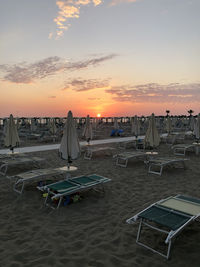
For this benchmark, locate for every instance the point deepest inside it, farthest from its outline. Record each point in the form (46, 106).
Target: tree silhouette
(190, 112)
(167, 111)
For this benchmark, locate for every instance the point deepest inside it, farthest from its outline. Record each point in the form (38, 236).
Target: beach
(93, 232)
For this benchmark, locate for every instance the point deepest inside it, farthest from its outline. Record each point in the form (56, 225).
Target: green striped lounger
(169, 216)
(72, 185)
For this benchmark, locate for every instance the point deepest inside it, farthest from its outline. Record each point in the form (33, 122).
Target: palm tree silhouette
(190, 112)
(167, 111)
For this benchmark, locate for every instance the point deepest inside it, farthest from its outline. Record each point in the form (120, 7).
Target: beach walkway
(83, 143)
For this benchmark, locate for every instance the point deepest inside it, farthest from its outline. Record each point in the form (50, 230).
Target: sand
(93, 232)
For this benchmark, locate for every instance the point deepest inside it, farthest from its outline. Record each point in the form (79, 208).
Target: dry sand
(93, 232)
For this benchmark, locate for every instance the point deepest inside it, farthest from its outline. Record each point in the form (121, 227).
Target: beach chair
(90, 151)
(169, 216)
(156, 165)
(59, 190)
(122, 158)
(14, 161)
(37, 175)
(180, 149)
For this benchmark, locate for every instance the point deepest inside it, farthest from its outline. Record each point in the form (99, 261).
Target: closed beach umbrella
(116, 125)
(197, 127)
(11, 137)
(33, 125)
(168, 125)
(69, 147)
(52, 127)
(135, 126)
(87, 131)
(191, 123)
(152, 136)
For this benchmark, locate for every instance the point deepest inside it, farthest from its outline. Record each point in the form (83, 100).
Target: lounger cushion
(83, 180)
(164, 217)
(191, 199)
(62, 186)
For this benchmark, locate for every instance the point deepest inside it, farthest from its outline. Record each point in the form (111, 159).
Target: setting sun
(98, 115)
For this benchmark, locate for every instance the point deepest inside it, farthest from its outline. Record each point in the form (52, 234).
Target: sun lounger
(90, 151)
(181, 149)
(13, 161)
(38, 174)
(122, 158)
(156, 165)
(61, 189)
(11, 155)
(169, 216)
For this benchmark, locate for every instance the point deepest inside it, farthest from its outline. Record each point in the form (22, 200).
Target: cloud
(69, 9)
(153, 92)
(93, 98)
(80, 85)
(28, 73)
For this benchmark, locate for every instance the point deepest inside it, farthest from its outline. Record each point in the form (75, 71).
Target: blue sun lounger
(169, 216)
(60, 189)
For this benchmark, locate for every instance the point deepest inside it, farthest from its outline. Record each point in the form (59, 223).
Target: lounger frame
(182, 148)
(160, 163)
(34, 175)
(4, 164)
(91, 150)
(122, 158)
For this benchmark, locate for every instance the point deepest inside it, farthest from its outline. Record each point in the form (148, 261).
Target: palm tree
(190, 112)
(167, 111)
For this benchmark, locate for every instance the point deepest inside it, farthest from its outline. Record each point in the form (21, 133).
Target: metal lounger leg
(59, 202)
(178, 150)
(16, 184)
(121, 164)
(3, 169)
(88, 154)
(45, 202)
(155, 172)
(150, 248)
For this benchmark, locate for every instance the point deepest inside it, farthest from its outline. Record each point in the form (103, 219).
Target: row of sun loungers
(155, 164)
(169, 216)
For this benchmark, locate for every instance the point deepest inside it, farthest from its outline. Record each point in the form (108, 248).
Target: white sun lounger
(122, 158)
(181, 149)
(90, 151)
(13, 161)
(38, 174)
(156, 165)
(169, 216)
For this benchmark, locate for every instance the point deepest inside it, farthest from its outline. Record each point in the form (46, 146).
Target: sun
(98, 115)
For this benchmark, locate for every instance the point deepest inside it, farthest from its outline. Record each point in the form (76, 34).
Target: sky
(113, 57)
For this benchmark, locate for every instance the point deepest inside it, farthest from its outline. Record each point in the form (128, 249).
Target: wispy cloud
(68, 10)
(52, 96)
(154, 92)
(93, 98)
(28, 73)
(80, 85)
